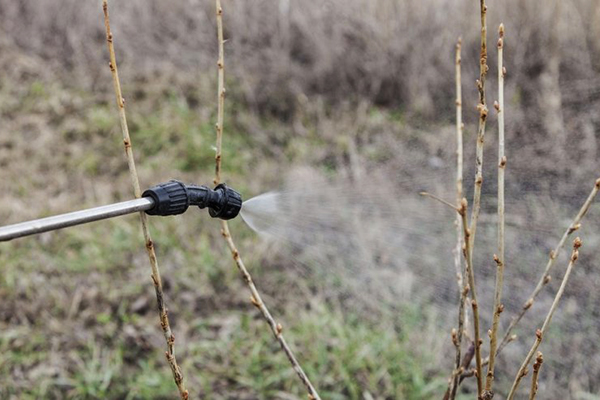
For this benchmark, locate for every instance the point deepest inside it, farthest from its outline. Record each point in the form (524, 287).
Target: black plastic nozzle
(174, 198)
(223, 202)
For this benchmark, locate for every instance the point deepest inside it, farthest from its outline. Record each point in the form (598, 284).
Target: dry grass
(328, 49)
(347, 52)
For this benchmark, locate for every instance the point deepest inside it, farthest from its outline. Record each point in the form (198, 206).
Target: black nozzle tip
(229, 204)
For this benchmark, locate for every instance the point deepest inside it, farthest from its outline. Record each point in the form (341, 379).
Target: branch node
(524, 372)
(254, 302)
(502, 162)
(574, 227)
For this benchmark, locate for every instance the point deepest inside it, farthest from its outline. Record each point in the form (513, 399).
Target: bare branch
(255, 298)
(221, 93)
(545, 278)
(498, 258)
(257, 301)
(535, 377)
(160, 298)
(434, 197)
(468, 254)
(483, 112)
(539, 334)
(457, 340)
(463, 290)
(459, 164)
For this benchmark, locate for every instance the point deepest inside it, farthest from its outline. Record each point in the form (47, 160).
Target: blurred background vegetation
(347, 88)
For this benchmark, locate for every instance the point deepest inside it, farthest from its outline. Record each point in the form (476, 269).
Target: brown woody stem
(160, 297)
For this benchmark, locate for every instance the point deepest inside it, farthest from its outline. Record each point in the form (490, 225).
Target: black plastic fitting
(174, 197)
(170, 198)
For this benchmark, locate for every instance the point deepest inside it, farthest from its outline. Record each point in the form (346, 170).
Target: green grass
(228, 351)
(78, 316)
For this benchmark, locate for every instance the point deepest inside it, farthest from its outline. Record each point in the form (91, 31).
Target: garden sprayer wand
(170, 198)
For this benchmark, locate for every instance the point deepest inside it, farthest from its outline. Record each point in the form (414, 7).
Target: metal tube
(75, 218)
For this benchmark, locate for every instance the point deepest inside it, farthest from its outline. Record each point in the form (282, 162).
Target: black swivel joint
(223, 202)
(174, 197)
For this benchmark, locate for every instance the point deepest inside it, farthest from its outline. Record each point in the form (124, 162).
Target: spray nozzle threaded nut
(228, 205)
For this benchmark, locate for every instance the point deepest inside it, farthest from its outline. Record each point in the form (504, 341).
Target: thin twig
(466, 362)
(459, 164)
(257, 301)
(458, 373)
(221, 92)
(457, 340)
(468, 254)
(483, 112)
(545, 278)
(498, 258)
(536, 373)
(460, 126)
(462, 289)
(160, 298)
(539, 334)
(255, 297)
(436, 198)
